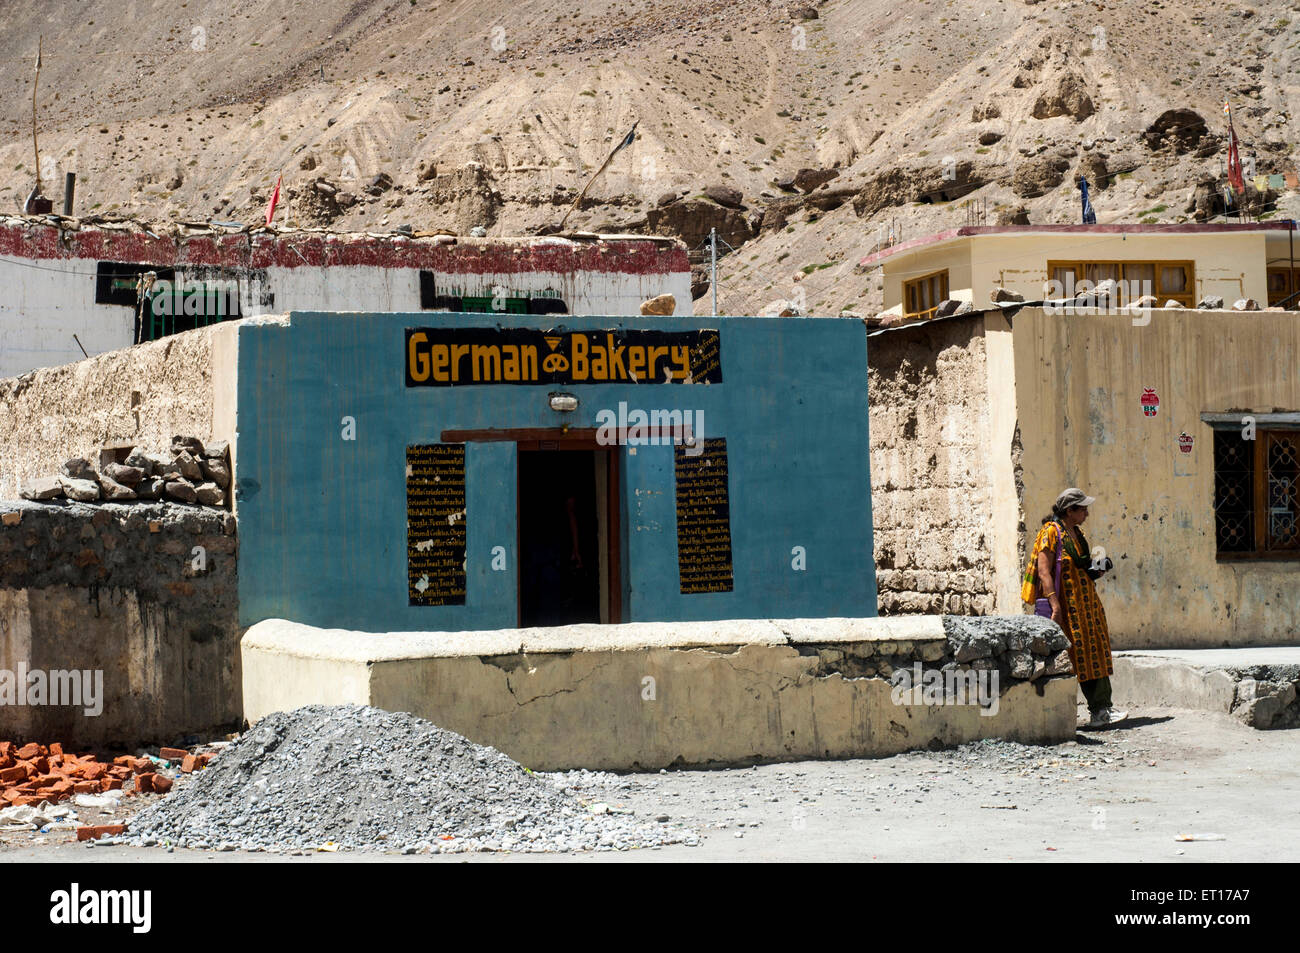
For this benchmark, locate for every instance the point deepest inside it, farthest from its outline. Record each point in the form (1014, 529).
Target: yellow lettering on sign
(457, 352)
(510, 361)
(529, 361)
(486, 361)
(441, 359)
(578, 344)
(681, 358)
(418, 362)
(652, 365)
(636, 361)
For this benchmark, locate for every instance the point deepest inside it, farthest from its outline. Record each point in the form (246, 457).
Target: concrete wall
(954, 256)
(141, 396)
(1078, 383)
(933, 466)
(119, 589)
(1228, 264)
(650, 696)
(48, 276)
(323, 520)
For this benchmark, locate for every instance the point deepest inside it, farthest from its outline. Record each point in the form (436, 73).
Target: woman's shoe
(1106, 717)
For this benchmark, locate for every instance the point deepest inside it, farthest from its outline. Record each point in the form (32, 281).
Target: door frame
(568, 438)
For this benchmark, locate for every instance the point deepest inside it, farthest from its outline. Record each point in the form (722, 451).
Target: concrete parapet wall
(1256, 685)
(645, 696)
(144, 594)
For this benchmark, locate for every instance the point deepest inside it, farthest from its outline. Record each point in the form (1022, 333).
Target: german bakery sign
(450, 357)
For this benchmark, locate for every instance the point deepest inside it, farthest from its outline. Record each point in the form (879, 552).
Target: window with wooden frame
(1256, 490)
(1167, 280)
(922, 296)
(1282, 284)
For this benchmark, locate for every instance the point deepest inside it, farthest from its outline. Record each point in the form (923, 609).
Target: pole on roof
(713, 267)
(40, 43)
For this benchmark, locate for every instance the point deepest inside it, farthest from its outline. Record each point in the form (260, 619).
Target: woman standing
(1076, 609)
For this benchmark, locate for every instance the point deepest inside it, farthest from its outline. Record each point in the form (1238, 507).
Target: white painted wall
(44, 302)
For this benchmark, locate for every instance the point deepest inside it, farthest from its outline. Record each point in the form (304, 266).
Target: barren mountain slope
(189, 112)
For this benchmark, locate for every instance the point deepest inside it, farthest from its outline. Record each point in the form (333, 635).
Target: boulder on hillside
(827, 200)
(940, 183)
(778, 212)
(1039, 175)
(1069, 97)
(1178, 129)
(700, 281)
(805, 180)
(691, 219)
(1019, 215)
(725, 196)
(1093, 168)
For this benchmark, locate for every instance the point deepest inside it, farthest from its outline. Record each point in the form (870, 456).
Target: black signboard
(435, 524)
(455, 357)
(703, 518)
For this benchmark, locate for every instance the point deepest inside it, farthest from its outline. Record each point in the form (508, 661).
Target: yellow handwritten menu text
(435, 524)
(703, 518)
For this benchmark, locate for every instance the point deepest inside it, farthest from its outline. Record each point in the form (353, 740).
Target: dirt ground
(1124, 794)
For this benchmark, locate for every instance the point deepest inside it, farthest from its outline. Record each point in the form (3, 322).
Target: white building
(109, 286)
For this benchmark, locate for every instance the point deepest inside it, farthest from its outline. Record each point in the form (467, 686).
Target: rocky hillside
(806, 134)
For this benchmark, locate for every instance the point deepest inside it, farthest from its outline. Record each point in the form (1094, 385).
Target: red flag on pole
(1234, 158)
(275, 199)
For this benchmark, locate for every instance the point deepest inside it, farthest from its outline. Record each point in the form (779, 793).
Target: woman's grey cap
(1073, 497)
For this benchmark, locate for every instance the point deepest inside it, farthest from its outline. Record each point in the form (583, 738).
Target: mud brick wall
(930, 482)
(145, 592)
(135, 397)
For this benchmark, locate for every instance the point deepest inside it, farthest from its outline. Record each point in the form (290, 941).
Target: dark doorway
(561, 523)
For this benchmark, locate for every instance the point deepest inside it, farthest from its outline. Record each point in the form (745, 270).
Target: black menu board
(435, 524)
(703, 518)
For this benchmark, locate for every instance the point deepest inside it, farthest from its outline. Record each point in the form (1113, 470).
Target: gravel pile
(354, 777)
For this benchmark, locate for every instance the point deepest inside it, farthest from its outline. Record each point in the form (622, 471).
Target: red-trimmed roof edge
(610, 254)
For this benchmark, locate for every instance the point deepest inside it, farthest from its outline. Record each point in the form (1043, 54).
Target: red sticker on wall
(1150, 401)
(1185, 442)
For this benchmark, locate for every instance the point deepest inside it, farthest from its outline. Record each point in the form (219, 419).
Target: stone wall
(140, 396)
(146, 593)
(931, 484)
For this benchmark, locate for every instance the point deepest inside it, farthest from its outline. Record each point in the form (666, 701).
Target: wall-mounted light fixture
(564, 403)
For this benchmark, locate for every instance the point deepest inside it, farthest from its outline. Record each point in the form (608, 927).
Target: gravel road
(1122, 795)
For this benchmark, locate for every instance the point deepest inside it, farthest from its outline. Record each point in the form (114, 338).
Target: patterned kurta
(1084, 618)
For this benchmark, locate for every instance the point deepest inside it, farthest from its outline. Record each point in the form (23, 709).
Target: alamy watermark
(211, 298)
(931, 686)
(1109, 296)
(653, 428)
(60, 688)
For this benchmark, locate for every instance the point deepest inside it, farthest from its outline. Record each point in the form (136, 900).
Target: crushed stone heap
(365, 779)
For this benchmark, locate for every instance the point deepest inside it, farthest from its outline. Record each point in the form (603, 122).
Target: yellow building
(1181, 263)
(1184, 424)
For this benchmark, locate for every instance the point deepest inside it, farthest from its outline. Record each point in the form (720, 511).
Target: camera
(1097, 568)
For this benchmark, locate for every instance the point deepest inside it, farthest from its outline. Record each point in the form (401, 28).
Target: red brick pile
(35, 773)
